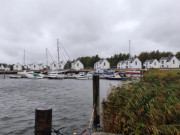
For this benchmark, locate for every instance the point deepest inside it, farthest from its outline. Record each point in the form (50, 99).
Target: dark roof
(167, 58)
(150, 61)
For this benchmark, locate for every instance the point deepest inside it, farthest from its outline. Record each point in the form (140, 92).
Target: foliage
(116, 58)
(68, 64)
(150, 106)
(153, 55)
(88, 62)
(178, 55)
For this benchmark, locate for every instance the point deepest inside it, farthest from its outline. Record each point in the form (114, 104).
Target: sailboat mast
(58, 49)
(47, 57)
(129, 49)
(24, 57)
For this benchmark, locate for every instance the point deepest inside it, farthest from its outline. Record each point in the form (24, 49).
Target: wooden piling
(96, 100)
(4, 76)
(43, 121)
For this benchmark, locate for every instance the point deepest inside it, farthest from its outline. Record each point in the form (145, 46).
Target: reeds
(151, 106)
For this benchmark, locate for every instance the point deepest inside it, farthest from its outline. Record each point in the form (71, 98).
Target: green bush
(150, 106)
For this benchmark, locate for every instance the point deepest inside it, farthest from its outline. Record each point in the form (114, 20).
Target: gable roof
(167, 58)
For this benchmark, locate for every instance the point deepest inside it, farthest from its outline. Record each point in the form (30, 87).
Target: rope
(91, 116)
(57, 131)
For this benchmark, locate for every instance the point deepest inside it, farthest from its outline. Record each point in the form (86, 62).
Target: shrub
(151, 106)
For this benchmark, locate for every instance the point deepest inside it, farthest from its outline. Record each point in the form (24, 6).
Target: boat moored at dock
(117, 76)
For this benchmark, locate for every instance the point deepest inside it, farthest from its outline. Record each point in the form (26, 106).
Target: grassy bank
(151, 106)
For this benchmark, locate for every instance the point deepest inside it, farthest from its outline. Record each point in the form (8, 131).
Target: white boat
(82, 76)
(117, 76)
(56, 75)
(14, 76)
(33, 76)
(23, 73)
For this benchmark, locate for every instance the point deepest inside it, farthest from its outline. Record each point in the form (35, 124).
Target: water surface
(70, 99)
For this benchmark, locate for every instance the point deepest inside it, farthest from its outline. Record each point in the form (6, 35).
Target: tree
(68, 64)
(178, 55)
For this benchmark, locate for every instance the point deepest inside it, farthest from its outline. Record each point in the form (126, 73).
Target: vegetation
(150, 106)
(88, 61)
(116, 58)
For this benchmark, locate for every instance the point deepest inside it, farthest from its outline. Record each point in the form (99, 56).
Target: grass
(150, 106)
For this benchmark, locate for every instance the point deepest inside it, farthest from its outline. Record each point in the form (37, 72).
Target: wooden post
(4, 76)
(43, 121)
(96, 100)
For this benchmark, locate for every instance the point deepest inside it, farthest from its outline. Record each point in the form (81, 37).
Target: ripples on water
(71, 101)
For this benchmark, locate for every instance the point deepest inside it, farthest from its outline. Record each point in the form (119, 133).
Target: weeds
(150, 106)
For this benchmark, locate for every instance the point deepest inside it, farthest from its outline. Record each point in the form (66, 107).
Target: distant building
(153, 63)
(17, 67)
(169, 62)
(102, 64)
(42, 66)
(77, 65)
(121, 64)
(131, 63)
(56, 66)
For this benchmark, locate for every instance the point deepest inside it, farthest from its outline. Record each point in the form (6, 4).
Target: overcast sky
(86, 28)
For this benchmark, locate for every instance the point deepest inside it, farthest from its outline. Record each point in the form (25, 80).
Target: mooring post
(43, 121)
(96, 101)
(4, 76)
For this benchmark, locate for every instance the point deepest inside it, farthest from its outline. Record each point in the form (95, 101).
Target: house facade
(17, 67)
(102, 64)
(153, 63)
(77, 65)
(56, 66)
(169, 62)
(131, 63)
(121, 64)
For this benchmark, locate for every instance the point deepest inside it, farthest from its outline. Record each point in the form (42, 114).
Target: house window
(77, 64)
(162, 62)
(173, 61)
(54, 65)
(104, 64)
(17, 66)
(34, 66)
(126, 63)
(135, 62)
(154, 63)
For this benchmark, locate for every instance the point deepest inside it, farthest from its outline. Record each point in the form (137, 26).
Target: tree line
(89, 62)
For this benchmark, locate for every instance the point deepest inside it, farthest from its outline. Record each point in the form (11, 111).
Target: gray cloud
(86, 28)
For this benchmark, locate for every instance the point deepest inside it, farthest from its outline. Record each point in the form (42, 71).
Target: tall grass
(151, 106)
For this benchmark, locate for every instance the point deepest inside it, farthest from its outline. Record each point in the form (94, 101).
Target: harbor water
(70, 99)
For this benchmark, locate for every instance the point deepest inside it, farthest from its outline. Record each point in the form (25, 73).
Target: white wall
(17, 67)
(77, 65)
(174, 63)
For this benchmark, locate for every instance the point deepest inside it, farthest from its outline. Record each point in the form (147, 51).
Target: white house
(56, 65)
(153, 63)
(169, 62)
(34, 66)
(2, 67)
(42, 66)
(131, 63)
(77, 65)
(121, 64)
(102, 64)
(17, 67)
